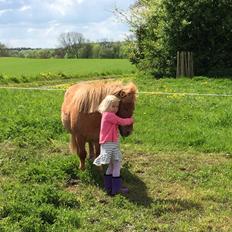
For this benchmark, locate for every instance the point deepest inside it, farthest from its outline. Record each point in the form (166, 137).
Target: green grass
(186, 123)
(21, 70)
(177, 164)
(200, 85)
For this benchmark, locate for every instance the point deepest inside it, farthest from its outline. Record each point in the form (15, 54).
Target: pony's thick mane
(89, 95)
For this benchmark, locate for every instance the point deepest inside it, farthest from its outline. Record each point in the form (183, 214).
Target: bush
(169, 26)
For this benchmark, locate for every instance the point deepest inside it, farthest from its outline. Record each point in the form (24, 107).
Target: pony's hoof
(100, 168)
(92, 157)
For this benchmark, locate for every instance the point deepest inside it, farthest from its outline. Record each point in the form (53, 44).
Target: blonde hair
(106, 103)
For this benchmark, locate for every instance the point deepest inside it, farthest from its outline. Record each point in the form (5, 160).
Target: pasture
(22, 70)
(177, 163)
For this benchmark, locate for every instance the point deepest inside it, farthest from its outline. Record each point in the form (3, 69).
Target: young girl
(110, 151)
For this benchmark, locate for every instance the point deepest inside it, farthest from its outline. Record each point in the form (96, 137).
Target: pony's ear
(127, 90)
(121, 94)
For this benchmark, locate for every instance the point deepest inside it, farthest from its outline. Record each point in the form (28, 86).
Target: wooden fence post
(184, 66)
(178, 64)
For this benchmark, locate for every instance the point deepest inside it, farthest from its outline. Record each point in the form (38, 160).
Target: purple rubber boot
(117, 186)
(108, 183)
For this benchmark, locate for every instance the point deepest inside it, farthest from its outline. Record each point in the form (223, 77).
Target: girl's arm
(113, 118)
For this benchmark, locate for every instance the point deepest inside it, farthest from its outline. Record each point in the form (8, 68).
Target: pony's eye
(127, 112)
(126, 109)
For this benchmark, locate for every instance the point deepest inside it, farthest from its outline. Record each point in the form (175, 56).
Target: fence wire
(142, 92)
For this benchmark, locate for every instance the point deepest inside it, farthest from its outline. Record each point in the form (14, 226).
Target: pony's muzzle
(125, 130)
(127, 133)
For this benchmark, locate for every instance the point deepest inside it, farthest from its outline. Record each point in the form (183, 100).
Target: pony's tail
(73, 144)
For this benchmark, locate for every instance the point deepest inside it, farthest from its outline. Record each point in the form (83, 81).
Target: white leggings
(114, 168)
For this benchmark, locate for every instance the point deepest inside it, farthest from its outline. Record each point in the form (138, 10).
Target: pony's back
(87, 96)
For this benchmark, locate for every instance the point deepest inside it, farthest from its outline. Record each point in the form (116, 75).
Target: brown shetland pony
(80, 117)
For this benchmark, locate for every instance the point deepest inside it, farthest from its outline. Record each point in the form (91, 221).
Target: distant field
(26, 70)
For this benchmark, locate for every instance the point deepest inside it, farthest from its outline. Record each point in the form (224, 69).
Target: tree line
(72, 45)
(164, 27)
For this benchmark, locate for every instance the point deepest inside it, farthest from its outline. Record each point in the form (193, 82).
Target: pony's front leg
(91, 151)
(97, 149)
(96, 154)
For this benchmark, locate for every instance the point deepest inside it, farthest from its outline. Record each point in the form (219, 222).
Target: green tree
(96, 50)
(3, 50)
(45, 53)
(86, 51)
(163, 27)
(106, 49)
(59, 53)
(71, 42)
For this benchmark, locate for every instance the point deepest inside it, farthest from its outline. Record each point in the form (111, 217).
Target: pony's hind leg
(82, 152)
(73, 145)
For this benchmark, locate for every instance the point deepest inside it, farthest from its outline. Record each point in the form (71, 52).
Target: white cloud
(63, 6)
(38, 23)
(24, 8)
(107, 29)
(5, 11)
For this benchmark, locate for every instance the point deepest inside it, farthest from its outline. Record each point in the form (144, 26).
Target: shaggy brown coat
(80, 117)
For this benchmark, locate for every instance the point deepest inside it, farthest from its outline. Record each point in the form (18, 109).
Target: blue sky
(38, 23)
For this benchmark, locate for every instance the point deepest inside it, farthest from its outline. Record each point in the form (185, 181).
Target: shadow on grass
(137, 188)
(163, 206)
(138, 193)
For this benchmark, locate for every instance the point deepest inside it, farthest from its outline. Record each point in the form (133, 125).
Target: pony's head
(126, 106)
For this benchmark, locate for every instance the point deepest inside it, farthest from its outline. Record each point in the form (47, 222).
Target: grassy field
(177, 163)
(20, 70)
